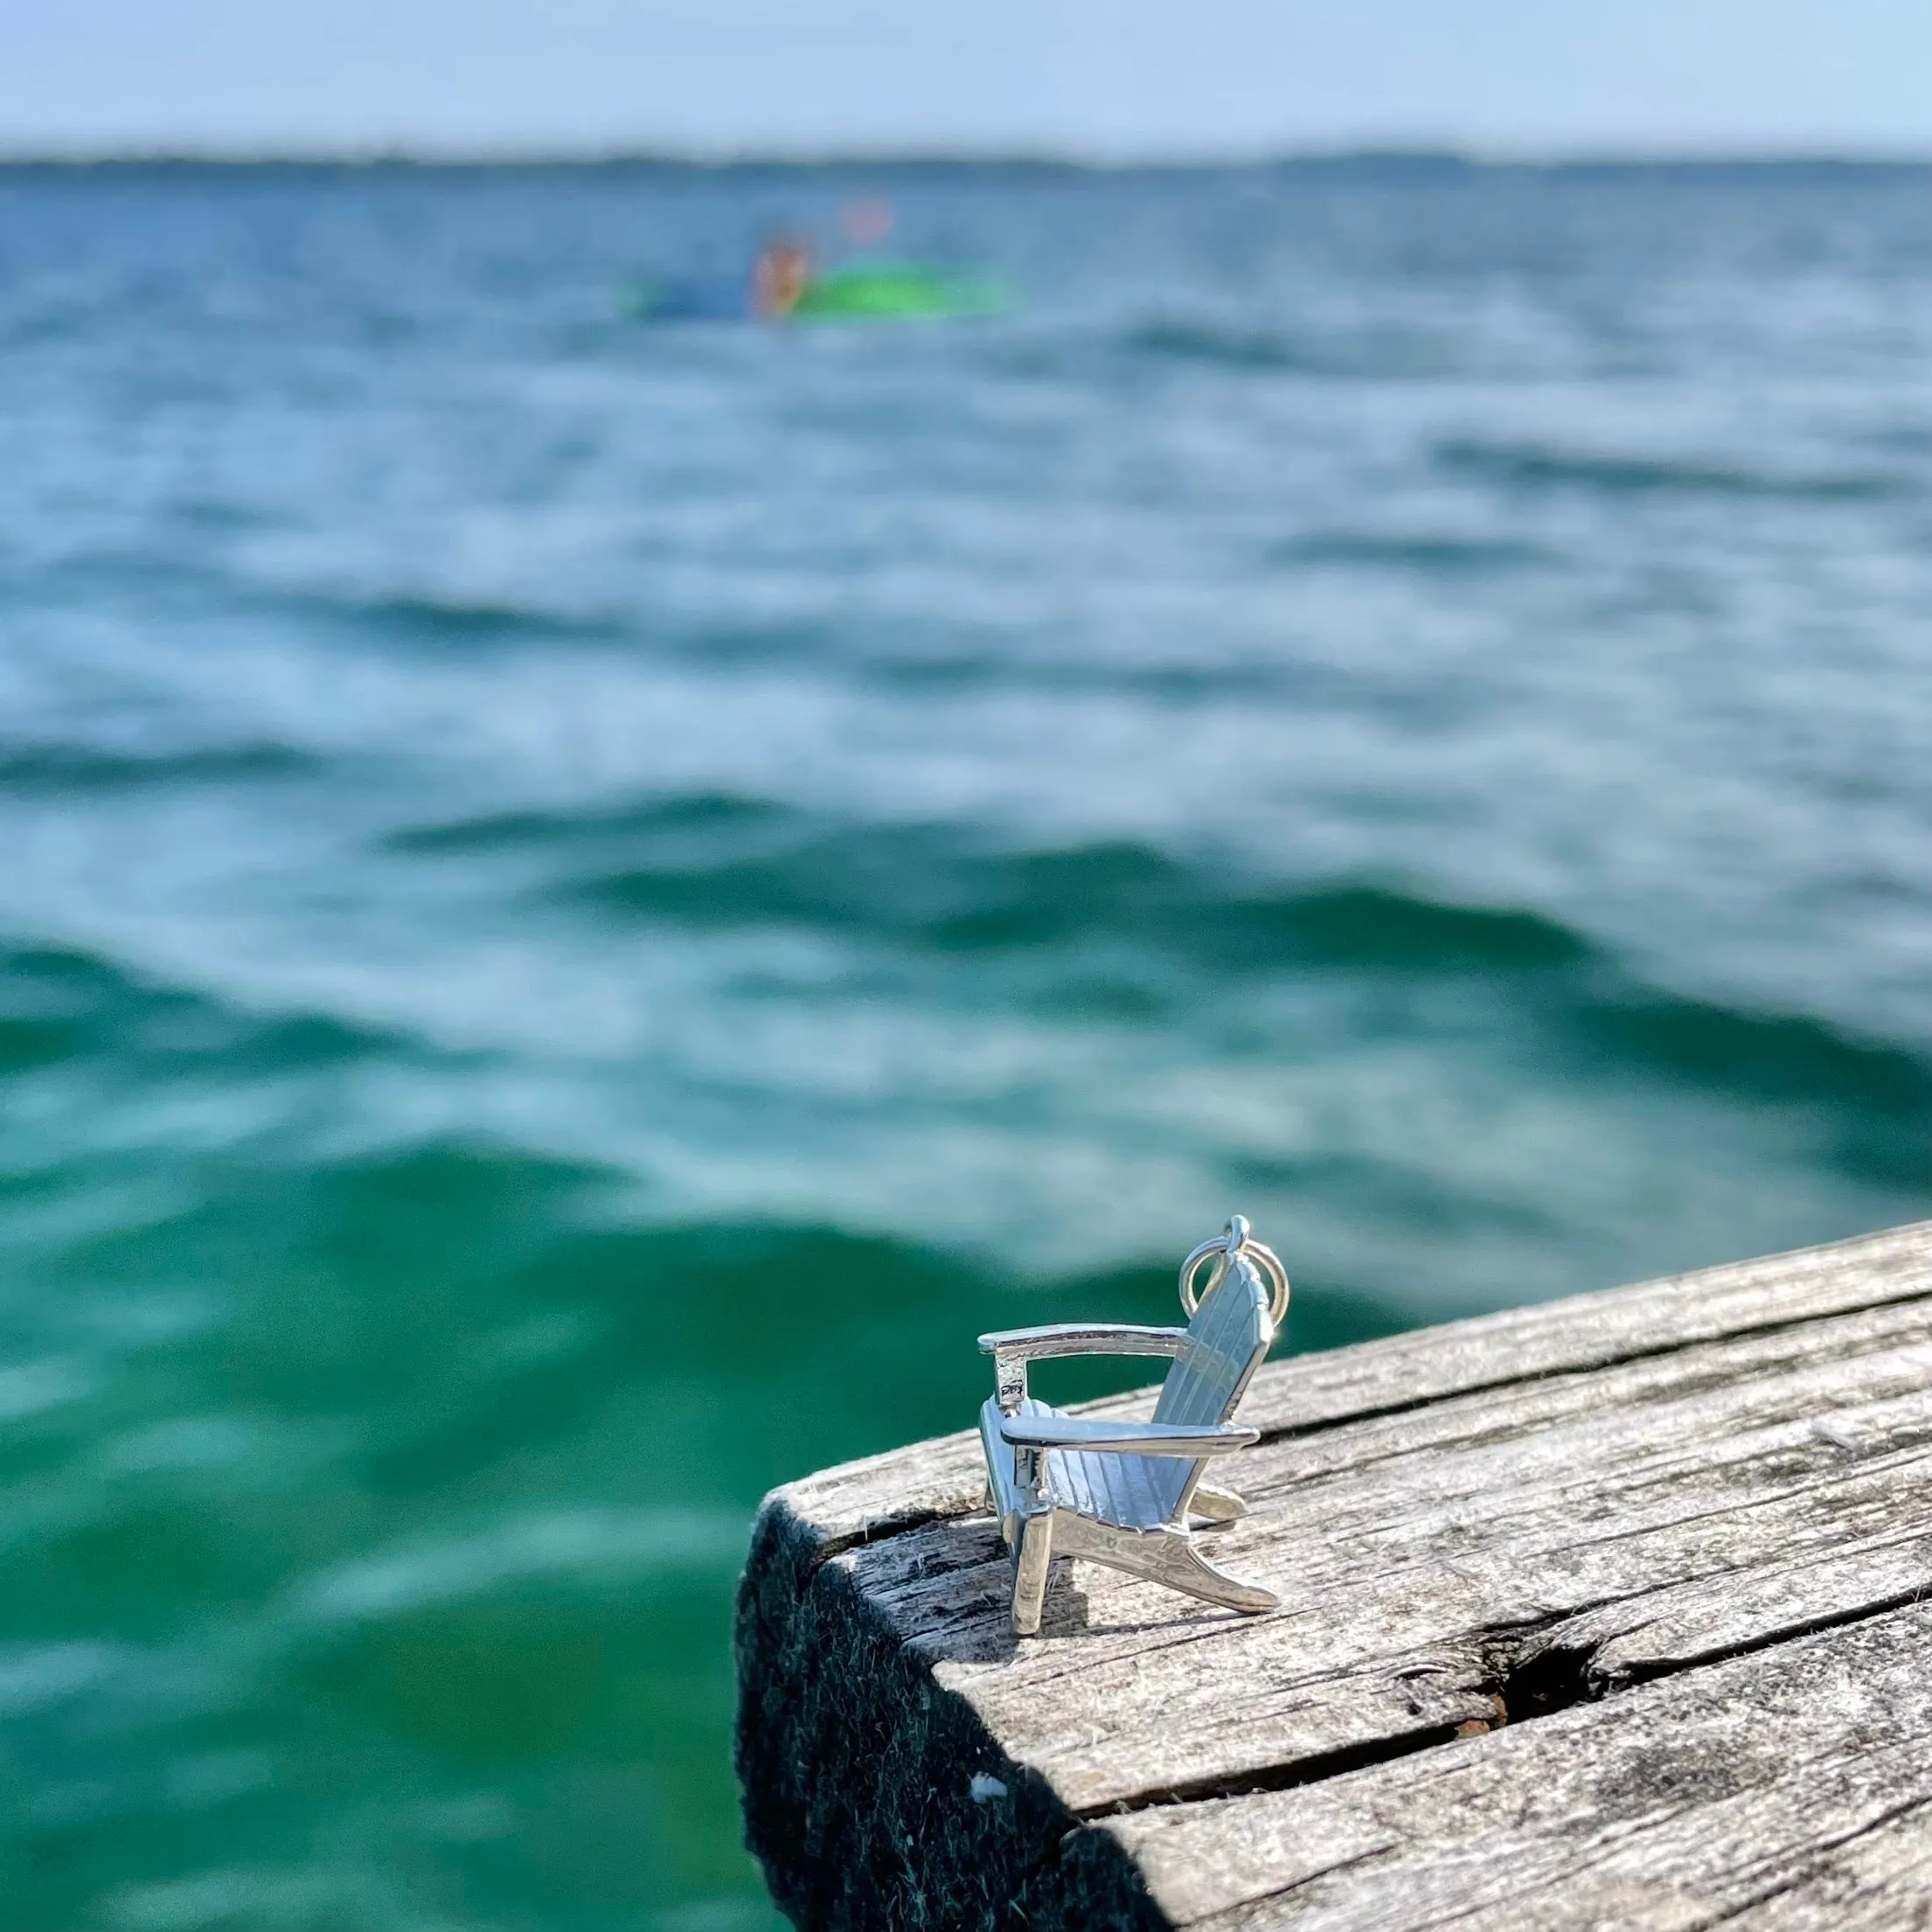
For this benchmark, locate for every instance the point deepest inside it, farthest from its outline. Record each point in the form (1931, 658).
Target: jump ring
(1189, 1301)
(1237, 1241)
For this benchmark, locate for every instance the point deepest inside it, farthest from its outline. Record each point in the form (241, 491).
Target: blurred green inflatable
(884, 291)
(859, 291)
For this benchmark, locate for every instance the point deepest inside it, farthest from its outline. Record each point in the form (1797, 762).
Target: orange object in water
(782, 274)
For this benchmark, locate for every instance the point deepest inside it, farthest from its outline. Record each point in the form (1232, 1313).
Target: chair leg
(1167, 1556)
(1033, 1556)
(1185, 1568)
(1217, 1505)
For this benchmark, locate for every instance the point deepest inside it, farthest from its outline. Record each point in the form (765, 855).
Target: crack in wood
(1836, 1620)
(1527, 1681)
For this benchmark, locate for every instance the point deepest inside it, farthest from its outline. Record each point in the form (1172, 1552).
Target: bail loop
(1238, 1239)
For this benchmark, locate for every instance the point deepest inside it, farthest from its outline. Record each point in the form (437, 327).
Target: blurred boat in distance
(864, 290)
(786, 284)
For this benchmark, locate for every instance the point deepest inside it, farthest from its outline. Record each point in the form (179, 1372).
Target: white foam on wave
(571, 1545)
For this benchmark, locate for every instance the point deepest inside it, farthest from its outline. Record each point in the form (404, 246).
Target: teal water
(563, 885)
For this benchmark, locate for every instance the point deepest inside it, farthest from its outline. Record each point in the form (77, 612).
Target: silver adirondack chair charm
(1121, 1493)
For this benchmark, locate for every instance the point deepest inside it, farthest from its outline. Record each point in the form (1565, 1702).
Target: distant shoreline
(1365, 163)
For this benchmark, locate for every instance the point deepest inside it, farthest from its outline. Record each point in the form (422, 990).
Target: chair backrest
(1227, 1339)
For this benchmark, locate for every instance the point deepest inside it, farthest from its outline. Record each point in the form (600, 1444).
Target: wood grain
(1575, 1514)
(1684, 1803)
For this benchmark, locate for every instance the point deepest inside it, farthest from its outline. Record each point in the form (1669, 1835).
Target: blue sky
(1103, 77)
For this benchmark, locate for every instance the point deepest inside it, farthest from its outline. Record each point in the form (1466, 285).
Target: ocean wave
(449, 1316)
(1229, 345)
(499, 831)
(712, 862)
(1545, 466)
(179, 582)
(1873, 1098)
(1435, 556)
(1070, 928)
(430, 619)
(81, 770)
(61, 1005)
(570, 1545)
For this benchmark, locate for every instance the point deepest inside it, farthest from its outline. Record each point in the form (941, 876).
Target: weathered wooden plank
(1680, 1804)
(1491, 1521)
(1423, 1558)
(1875, 1880)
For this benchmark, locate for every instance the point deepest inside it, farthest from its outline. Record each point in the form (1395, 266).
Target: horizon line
(1074, 160)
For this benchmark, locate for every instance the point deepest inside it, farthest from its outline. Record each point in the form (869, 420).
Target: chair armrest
(1029, 1345)
(1079, 1432)
(1012, 1348)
